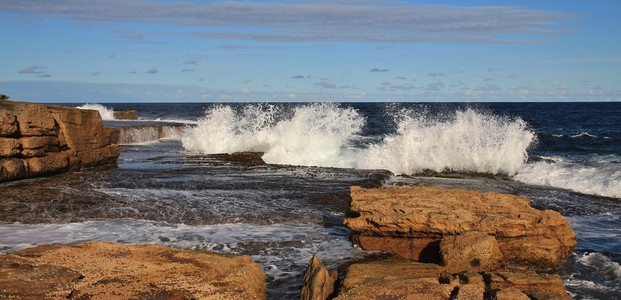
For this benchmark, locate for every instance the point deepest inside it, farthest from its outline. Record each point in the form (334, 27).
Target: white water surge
(324, 135)
(469, 141)
(593, 178)
(107, 114)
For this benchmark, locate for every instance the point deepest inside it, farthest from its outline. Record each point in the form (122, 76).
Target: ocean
(170, 189)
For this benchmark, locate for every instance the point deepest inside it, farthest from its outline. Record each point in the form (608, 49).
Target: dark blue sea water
(170, 190)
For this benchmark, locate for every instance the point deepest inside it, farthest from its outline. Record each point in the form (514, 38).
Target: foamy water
(594, 178)
(469, 141)
(148, 134)
(107, 114)
(269, 245)
(325, 135)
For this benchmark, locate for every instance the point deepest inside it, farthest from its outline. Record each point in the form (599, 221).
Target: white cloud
(303, 21)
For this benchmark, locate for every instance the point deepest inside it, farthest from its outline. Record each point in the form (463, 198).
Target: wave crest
(468, 141)
(106, 113)
(327, 134)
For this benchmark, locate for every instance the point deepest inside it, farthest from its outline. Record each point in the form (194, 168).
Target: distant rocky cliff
(39, 139)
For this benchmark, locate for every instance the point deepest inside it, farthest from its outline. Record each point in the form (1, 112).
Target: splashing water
(469, 141)
(314, 134)
(106, 113)
(325, 134)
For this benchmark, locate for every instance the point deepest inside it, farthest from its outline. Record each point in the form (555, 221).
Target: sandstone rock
(83, 129)
(32, 119)
(431, 213)
(470, 251)
(131, 114)
(392, 269)
(35, 142)
(9, 147)
(51, 139)
(12, 168)
(106, 155)
(510, 294)
(100, 270)
(114, 134)
(49, 164)
(417, 249)
(22, 280)
(8, 125)
(396, 278)
(534, 251)
(33, 153)
(535, 285)
(318, 282)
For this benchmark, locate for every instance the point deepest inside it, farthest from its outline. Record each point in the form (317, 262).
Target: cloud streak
(374, 21)
(378, 70)
(31, 70)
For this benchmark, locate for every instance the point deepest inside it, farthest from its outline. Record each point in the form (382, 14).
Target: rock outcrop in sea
(39, 139)
(489, 230)
(130, 114)
(454, 244)
(100, 270)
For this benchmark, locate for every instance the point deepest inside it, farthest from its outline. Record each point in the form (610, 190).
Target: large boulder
(99, 270)
(397, 278)
(50, 139)
(525, 236)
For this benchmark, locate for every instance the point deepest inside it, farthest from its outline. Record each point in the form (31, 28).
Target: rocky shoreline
(38, 139)
(442, 243)
(451, 244)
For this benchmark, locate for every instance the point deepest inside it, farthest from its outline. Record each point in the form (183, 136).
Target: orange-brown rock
(535, 285)
(397, 278)
(510, 294)
(318, 282)
(12, 168)
(429, 212)
(99, 270)
(470, 251)
(9, 147)
(130, 114)
(8, 125)
(417, 249)
(51, 139)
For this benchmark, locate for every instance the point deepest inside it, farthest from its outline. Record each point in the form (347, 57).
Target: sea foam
(468, 141)
(328, 135)
(593, 178)
(106, 113)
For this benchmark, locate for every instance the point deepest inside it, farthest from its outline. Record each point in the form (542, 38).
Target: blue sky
(365, 50)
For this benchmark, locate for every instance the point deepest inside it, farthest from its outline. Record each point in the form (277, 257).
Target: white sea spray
(106, 113)
(469, 141)
(323, 134)
(593, 178)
